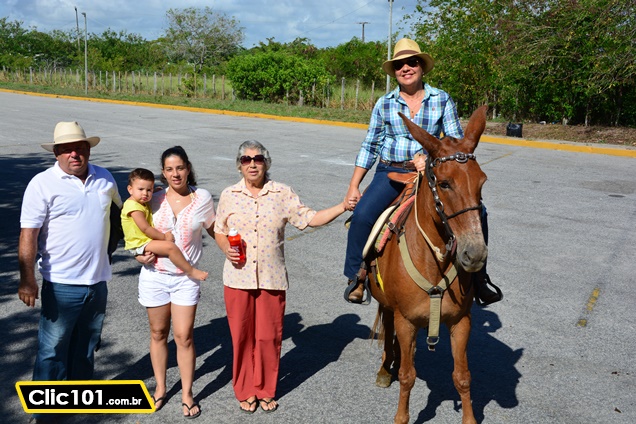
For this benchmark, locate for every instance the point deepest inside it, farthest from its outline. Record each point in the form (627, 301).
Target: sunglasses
(258, 160)
(413, 62)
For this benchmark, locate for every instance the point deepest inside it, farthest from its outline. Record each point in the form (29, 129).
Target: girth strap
(435, 292)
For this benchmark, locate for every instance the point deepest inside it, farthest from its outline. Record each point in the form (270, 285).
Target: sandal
(162, 399)
(191, 417)
(268, 403)
(249, 410)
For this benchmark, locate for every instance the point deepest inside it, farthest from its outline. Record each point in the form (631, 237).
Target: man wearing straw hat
(65, 226)
(389, 141)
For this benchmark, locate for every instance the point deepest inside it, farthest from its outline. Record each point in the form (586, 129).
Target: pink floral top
(187, 227)
(261, 223)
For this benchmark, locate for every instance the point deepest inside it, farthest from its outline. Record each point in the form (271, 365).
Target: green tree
(12, 39)
(579, 55)
(554, 60)
(300, 47)
(51, 50)
(123, 51)
(201, 36)
(356, 60)
(22, 48)
(464, 39)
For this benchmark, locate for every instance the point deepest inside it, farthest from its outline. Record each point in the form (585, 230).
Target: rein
(435, 292)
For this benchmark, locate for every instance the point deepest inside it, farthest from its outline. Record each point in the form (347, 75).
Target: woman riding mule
(389, 141)
(422, 277)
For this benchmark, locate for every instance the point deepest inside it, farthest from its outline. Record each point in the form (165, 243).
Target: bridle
(435, 291)
(459, 157)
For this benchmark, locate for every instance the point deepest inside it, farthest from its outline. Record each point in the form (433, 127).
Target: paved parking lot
(558, 349)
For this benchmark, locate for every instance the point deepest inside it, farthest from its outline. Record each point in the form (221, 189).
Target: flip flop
(268, 403)
(250, 410)
(191, 417)
(162, 399)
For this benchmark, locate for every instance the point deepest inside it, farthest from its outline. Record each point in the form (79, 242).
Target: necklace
(190, 194)
(414, 102)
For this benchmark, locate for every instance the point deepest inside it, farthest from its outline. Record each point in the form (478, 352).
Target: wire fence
(347, 95)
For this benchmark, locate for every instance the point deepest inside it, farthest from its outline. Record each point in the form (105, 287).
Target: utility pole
(388, 44)
(79, 49)
(85, 55)
(363, 24)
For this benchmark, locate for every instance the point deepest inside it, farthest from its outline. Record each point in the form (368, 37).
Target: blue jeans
(377, 197)
(70, 330)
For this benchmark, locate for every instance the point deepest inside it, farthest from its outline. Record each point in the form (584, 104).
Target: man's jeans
(70, 330)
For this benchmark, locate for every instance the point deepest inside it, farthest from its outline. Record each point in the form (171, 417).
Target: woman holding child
(169, 295)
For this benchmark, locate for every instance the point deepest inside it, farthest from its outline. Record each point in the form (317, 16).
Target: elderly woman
(255, 289)
(170, 296)
(389, 142)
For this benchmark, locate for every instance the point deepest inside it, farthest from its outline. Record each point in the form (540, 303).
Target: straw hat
(69, 132)
(406, 48)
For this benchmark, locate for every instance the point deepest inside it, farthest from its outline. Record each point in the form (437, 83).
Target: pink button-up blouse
(261, 223)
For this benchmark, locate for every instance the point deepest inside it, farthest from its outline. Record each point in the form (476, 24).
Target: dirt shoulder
(576, 133)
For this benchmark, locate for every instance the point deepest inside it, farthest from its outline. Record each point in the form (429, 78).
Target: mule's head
(456, 178)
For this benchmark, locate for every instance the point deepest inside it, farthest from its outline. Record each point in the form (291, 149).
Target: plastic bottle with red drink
(237, 244)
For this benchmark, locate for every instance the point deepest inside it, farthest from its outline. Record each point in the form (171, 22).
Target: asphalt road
(558, 349)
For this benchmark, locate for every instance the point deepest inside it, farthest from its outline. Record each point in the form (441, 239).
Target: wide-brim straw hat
(406, 48)
(69, 132)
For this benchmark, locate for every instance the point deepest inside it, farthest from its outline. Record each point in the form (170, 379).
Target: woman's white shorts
(158, 289)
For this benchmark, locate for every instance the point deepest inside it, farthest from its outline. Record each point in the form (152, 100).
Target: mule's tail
(378, 330)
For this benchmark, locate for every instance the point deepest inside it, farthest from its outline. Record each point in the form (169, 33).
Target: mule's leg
(384, 376)
(406, 333)
(460, 333)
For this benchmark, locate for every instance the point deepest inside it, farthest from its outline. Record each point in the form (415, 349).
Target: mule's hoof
(383, 380)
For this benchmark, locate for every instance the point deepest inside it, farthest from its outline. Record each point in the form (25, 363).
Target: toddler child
(140, 235)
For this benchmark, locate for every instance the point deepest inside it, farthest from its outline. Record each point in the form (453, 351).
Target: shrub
(276, 76)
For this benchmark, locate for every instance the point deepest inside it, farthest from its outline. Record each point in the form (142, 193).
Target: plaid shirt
(388, 136)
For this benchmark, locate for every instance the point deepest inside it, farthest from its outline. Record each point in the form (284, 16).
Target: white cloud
(325, 23)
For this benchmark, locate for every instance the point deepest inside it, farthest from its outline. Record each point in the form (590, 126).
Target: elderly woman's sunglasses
(258, 159)
(413, 62)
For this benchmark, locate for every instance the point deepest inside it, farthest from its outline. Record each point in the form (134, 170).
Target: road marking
(564, 146)
(589, 308)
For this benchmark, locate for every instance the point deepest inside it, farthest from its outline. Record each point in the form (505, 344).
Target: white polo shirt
(73, 218)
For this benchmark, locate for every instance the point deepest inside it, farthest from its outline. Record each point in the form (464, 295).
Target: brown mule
(444, 246)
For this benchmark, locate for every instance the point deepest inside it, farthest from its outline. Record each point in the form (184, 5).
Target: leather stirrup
(483, 285)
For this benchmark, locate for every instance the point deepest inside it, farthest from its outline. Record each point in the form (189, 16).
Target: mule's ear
(430, 143)
(475, 128)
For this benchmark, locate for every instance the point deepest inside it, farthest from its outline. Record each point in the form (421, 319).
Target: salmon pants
(255, 318)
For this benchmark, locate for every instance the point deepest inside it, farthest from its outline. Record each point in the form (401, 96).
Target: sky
(326, 23)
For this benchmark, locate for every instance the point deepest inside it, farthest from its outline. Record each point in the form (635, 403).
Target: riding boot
(484, 295)
(355, 295)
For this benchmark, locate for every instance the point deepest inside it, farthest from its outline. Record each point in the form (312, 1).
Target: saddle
(392, 219)
(389, 223)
